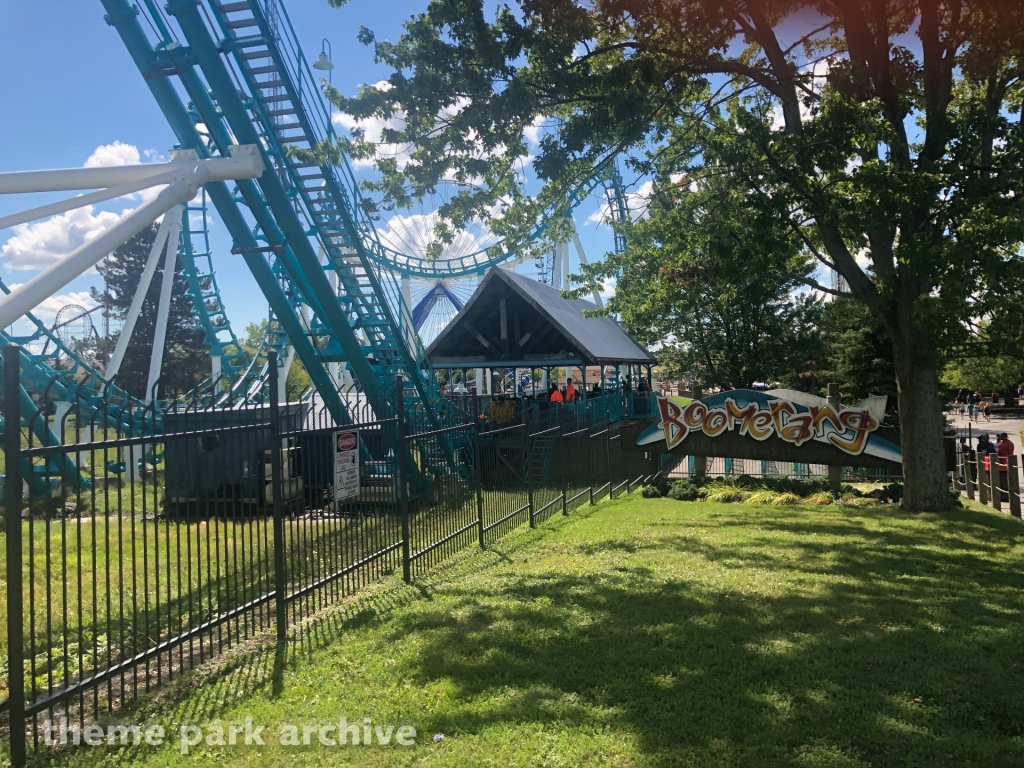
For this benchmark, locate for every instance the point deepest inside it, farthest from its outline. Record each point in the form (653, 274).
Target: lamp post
(323, 61)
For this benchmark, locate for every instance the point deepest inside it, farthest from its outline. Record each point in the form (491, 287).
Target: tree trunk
(926, 485)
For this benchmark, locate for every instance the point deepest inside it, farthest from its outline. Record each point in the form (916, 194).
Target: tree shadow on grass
(882, 646)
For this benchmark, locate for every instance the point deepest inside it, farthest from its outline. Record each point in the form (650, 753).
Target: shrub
(785, 498)
(722, 493)
(684, 490)
(820, 499)
(760, 497)
(650, 492)
(891, 492)
(748, 482)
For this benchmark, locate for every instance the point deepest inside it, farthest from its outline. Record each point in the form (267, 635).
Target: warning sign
(346, 465)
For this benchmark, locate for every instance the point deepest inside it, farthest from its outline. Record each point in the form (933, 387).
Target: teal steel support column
(124, 18)
(250, 192)
(208, 56)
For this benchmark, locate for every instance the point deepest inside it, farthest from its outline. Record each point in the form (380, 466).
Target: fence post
(12, 511)
(590, 460)
(608, 453)
(699, 464)
(835, 473)
(563, 455)
(403, 479)
(1013, 484)
(983, 481)
(526, 467)
(993, 478)
(478, 469)
(970, 472)
(277, 497)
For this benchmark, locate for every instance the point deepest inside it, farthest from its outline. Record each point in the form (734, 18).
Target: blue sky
(71, 92)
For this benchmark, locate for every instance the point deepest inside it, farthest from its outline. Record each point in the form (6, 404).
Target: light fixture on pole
(323, 61)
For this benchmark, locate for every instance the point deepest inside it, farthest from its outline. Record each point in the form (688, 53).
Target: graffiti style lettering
(821, 414)
(671, 415)
(798, 429)
(716, 422)
(779, 410)
(846, 430)
(693, 416)
(739, 415)
(861, 423)
(758, 425)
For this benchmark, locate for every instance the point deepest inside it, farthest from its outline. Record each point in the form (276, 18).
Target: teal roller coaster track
(227, 73)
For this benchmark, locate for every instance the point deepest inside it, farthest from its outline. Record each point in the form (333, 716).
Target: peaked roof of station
(540, 328)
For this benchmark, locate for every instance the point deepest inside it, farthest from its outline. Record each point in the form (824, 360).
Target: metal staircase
(290, 114)
(245, 81)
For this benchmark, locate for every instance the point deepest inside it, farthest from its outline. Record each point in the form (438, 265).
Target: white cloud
(119, 153)
(373, 130)
(107, 155)
(778, 119)
(44, 243)
(533, 131)
(48, 309)
(639, 200)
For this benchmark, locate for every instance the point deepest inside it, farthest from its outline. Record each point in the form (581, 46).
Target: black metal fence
(131, 557)
(717, 466)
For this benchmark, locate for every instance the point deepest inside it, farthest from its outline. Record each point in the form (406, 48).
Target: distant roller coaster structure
(235, 87)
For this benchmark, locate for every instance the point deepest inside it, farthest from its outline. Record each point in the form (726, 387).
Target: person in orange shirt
(570, 391)
(556, 396)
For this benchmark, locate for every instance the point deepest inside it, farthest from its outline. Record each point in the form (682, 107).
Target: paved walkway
(1009, 424)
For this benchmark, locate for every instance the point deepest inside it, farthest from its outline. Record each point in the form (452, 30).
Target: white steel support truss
(183, 176)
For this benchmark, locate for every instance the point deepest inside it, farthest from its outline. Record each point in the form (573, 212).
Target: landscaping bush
(684, 490)
(775, 490)
(786, 498)
(892, 492)
(820, 499)
(723, 493)
(651, 492)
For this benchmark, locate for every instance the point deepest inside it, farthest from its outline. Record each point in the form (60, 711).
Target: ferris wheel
(73, 324)
(410, 235)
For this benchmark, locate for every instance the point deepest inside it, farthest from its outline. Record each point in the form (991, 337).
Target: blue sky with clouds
(72, 95)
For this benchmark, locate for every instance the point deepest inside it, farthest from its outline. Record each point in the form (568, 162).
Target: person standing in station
(556, 396)
(1004, 448)
(570, 390)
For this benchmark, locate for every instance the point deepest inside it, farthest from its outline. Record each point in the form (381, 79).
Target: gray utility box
(217, 461)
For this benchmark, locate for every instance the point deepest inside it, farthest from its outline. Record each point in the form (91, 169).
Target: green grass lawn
(653, 632)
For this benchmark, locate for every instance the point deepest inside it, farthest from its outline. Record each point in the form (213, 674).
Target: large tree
(889, 129)
(714, 285)
(186, 359)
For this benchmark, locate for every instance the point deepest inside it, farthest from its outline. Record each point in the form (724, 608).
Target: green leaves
(713, 281)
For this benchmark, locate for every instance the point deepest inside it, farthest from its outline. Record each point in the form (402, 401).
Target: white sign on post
(346, 465)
